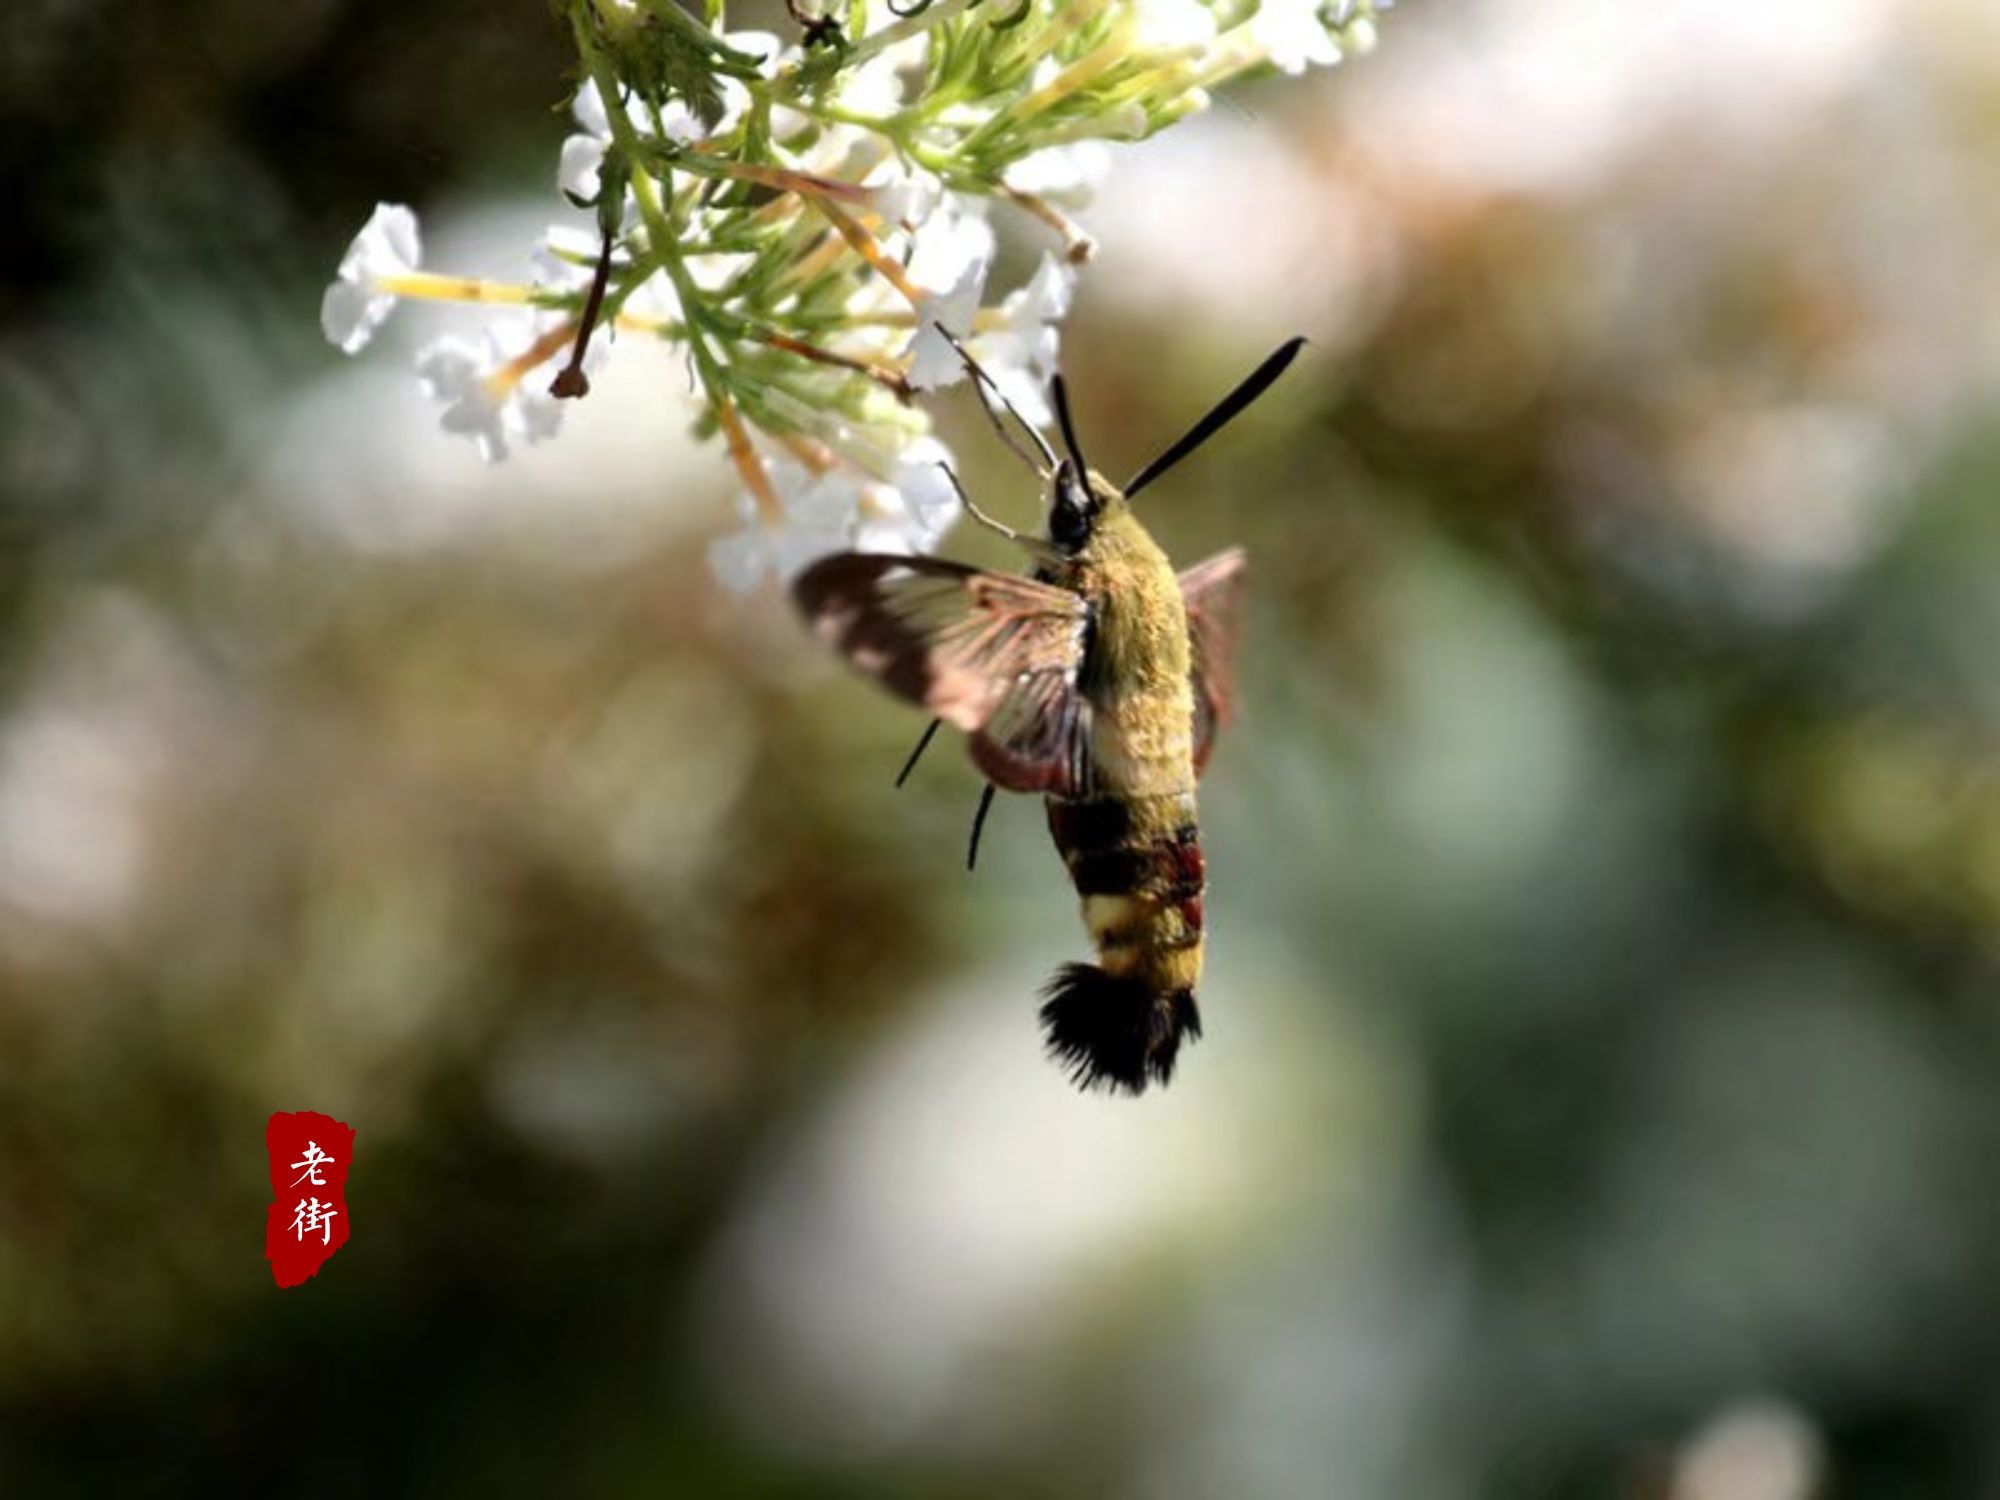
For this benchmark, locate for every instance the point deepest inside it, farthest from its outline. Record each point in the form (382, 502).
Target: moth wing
(1038, 739)
(994, 655)
(1212, 591)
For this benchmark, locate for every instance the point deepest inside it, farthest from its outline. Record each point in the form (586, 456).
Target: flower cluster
(807, 219)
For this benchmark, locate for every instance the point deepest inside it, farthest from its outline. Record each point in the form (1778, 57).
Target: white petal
(874, 88)
(349, 315)
(1064, 175)
(954, 237)
(797, 548)
(886, 533)
(933, 362)
(787, 122)
(540, 414)
(447, 367)
(1024, 389)
(1173, 25)
(907, 197)
(1048, 294)
(683, 125)
(929, 525)
(353, 306)
(739, 560)
(827, 504)
(454, 373)
(564, 258)
(576, 174)
(789, 480)
(735, 100)
(588, 107)
(1021, 352)
(928, 494)
(387, 244)
(1292, 36)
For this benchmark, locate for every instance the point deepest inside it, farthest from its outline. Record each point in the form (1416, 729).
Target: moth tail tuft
(1111, 1030)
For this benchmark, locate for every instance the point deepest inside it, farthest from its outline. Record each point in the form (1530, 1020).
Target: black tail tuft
(1115, 1031)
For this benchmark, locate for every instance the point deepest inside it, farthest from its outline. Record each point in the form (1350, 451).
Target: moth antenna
(988, 392)
(1220, 415)
(1061, 394)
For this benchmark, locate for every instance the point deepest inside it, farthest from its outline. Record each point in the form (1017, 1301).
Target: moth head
(1079, 500)
(1072, 507)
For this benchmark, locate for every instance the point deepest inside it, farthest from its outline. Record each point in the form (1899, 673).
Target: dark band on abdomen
(1089, 827)
(1109, 872)
(1163, 875)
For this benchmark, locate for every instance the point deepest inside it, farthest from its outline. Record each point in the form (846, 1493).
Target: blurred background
(1601, 1094)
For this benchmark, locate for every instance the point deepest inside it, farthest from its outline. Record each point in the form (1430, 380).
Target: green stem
(659, 232)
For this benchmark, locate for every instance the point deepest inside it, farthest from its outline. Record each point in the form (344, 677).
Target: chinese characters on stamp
(307, 1220)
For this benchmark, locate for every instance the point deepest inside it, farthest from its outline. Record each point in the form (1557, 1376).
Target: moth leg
(988, 393)
(978, 822)
(972, 509)
(918, 753)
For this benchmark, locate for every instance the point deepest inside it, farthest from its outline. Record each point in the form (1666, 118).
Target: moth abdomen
(1136, 864)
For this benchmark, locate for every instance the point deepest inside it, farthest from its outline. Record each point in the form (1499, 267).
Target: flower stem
(743, 453)
(868, 248)
(896, 383)
(509, 375)
(1078, 247)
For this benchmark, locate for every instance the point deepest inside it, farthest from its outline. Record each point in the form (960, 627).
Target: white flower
(1172, 25)
(1292, 35)
(914, 508)
(934, 364)
(480, 400)
(874, 88)
(1067, 176)
(909, 510)
(955, 235)
(886, 524)
(948, 264)
(906, 195)
(1021, 351)
(583, 155)
(819, 519)
(577, 168)
(679, 123)
(565, 259)
(355, 304)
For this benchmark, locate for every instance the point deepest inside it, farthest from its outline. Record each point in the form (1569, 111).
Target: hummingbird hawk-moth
(1099, 680)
